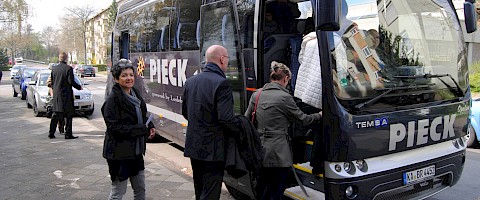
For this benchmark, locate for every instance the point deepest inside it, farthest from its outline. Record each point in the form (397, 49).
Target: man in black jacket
(208, 107)
(62, 82)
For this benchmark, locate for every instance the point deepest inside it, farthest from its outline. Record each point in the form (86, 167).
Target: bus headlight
(347, 167)
(350, 192)
(361, 165)
(338, 168)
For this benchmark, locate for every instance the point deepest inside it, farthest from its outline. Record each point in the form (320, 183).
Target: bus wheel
(236, 194)
(472, 140)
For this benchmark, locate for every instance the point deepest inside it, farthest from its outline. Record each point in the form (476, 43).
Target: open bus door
(219, 25)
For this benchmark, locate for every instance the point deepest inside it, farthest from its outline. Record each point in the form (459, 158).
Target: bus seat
(164, 37)
(186, 36)
(276, 49)
(301, 25)
(198, 33)
(228, 37)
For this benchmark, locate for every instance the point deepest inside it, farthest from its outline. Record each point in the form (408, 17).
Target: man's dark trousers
(60, 116)
(207, 178)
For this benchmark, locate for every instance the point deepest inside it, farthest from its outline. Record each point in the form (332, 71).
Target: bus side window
(186, 36)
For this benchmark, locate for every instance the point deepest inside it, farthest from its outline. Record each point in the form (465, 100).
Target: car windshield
(17, 66)
(43, 79)
(28, 72)
(87, 67)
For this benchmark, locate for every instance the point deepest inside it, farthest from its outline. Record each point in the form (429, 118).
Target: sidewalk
(35, 167)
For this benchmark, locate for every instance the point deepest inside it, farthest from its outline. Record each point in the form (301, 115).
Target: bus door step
(297, 193)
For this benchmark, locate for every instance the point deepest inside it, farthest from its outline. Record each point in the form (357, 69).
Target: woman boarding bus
(394, 84)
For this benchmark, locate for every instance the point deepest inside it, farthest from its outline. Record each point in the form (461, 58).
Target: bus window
(219, 29)
(185, 32)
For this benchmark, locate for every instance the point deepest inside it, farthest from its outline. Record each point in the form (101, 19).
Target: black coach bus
(394, 82)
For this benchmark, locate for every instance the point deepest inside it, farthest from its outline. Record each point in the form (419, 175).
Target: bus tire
(236, 194)
(472, 141)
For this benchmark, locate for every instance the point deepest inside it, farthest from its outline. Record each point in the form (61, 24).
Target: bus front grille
(419, 190)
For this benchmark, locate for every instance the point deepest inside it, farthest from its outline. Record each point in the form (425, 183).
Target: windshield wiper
(458, 92)
(388, 90)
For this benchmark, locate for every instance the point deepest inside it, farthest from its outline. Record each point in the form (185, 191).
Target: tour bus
(394, 84)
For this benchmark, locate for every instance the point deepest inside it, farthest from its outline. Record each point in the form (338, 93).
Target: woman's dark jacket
(122, 126)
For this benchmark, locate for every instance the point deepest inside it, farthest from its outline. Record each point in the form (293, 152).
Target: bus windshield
(411, 48)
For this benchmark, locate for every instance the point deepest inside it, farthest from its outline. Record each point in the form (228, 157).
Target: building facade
(97, 36)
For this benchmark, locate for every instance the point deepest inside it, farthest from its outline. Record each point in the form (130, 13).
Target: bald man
(208, 107)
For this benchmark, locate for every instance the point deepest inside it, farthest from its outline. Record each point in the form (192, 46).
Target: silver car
(38, 93)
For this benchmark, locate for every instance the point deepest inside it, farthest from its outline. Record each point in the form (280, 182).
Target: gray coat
(276, 109)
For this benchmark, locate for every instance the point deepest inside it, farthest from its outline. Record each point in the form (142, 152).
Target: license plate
(418, 175)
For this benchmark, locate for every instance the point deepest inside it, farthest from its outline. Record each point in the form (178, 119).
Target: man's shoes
(69, 137)
(51, 136)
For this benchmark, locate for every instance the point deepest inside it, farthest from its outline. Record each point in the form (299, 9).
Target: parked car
(474, 125)
(20, 81)
(18, 60)
(38, 92)
(40, 100)
(50, 65)
(85, 70)
(15, 69)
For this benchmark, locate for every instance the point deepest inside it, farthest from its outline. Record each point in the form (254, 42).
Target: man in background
(63, 108)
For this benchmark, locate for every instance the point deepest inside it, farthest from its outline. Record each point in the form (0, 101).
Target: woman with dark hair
(124, 113)
(275, 110)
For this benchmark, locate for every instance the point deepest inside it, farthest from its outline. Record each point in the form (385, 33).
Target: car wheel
(88, 113)
(28, 105)
(15, 94)
(35, 110)
(472, 139)
(94, 75)
(24, 95)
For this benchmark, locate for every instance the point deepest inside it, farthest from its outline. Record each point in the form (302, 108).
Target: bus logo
(169, 72)
(140, 66)
(424, 129)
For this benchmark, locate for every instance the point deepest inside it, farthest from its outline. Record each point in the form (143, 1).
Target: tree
(82, 14)
(3, 57)
(112, 14)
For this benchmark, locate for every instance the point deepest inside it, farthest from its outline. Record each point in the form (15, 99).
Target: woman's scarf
(140, 145)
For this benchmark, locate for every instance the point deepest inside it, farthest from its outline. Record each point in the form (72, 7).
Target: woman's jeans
(119, 188)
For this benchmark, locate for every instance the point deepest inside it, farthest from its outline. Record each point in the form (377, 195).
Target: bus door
(219, 26)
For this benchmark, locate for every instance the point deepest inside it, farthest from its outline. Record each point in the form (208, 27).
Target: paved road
(35, 167)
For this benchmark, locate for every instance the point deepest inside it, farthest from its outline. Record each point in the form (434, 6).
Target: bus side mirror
(470, 16)
(327, 15)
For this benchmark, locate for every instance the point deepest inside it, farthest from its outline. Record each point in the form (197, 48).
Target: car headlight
(43, 97)
(87, 96)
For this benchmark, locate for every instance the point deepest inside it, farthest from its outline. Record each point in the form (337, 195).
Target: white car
(38, 94)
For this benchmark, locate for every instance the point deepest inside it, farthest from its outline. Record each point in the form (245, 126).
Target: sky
(47, 12)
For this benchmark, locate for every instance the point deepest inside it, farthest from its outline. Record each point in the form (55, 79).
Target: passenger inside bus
(285, 13)
(282, 44)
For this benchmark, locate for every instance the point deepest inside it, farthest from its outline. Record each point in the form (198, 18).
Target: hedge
(5, 68)
(475, 77)
(101, 67)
